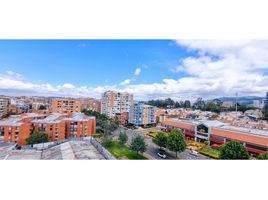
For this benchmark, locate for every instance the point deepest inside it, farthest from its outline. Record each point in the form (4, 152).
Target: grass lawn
(121, 151)
(210, 151)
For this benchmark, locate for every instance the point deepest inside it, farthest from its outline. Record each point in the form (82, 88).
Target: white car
(162, 155)
(194, 153)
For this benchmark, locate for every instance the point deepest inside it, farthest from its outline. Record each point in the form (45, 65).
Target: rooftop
(72, 150)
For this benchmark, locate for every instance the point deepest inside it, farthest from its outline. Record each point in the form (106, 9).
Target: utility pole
(236, 94)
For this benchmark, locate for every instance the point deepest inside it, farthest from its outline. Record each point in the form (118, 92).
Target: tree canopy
(160, 139)
(123, 138)
(37, 138)
(104, 123)
(138, 144)
(263, 156)
(176, 142)
(42, 107)
(265, 112)
(234, 151)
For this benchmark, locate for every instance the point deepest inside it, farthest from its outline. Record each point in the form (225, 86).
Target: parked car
(162, 155)
(194, 153)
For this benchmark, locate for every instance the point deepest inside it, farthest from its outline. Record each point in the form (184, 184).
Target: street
(153, 149)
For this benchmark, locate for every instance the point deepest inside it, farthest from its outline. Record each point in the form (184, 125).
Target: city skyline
(180, 69)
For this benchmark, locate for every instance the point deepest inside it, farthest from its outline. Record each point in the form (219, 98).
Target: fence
(43, 146)
(104, 152)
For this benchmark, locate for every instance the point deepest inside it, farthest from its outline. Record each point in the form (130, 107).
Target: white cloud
(10, 72)
(137, 72)
(125, 82)
(221, 68)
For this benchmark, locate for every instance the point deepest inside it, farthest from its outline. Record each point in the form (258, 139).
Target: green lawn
(121, 151)
(210, 151)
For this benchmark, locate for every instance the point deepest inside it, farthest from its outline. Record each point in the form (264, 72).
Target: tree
(106, 142)
(187, 104)
(42, 107)
(160, 139)
(263, 156)
(123, 138)
(176, 142)
(138, 144)
(211, 106)
(265, 112)
(234, 151)
(37, 138)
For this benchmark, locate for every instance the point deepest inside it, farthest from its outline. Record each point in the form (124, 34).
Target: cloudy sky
(181, 69)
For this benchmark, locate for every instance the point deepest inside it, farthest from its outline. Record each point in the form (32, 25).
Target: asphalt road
(153, 149)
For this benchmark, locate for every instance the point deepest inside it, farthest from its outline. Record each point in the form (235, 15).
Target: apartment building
(65, 106)
(141, 114)
(216, 132)
(115, 102)
(57, 126)
(4, 106)
(91, 104)
(122, 118)
(17, 128)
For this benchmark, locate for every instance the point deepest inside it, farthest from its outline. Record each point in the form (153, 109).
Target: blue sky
(180, 69)
(91, 62)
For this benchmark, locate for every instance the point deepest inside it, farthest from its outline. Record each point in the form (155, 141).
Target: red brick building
(65, 106)
(122, 118)
(16, 129)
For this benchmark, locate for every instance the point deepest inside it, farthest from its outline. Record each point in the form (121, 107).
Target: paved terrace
(72, 150)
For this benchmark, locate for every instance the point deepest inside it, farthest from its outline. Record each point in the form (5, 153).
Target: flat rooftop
(225, 126)
(72, 150)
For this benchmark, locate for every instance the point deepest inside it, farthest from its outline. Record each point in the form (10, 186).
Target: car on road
(194, 153)
(162, 155)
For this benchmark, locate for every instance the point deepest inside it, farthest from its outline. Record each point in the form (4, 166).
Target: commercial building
(115, 102)
(255, 141)
(4, 106)
(141, 114)
(65, 106)
(17, 128)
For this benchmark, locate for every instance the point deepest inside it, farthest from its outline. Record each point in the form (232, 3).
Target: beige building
(115, 102)
(4, 106)
(66, 106)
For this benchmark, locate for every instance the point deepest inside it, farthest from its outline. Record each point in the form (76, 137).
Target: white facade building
(115, 102)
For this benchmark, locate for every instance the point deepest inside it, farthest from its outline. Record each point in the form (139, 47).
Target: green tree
(265, 112)
(123, 138)
(176, 142)
(160, 139)
(106, 142)
(263, 156)
(42, 107)
(138, 144)
(187, 104)
(37, 138)
(234, 151)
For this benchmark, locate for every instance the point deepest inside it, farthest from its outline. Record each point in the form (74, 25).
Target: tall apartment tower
(266, 98)
(66, 106)
(115, 102)
(4, 106)
(141, 114)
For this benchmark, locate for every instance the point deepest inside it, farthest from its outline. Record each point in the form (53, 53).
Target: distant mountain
(246, 100)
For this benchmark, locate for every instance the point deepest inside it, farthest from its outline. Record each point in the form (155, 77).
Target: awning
(254, 150)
